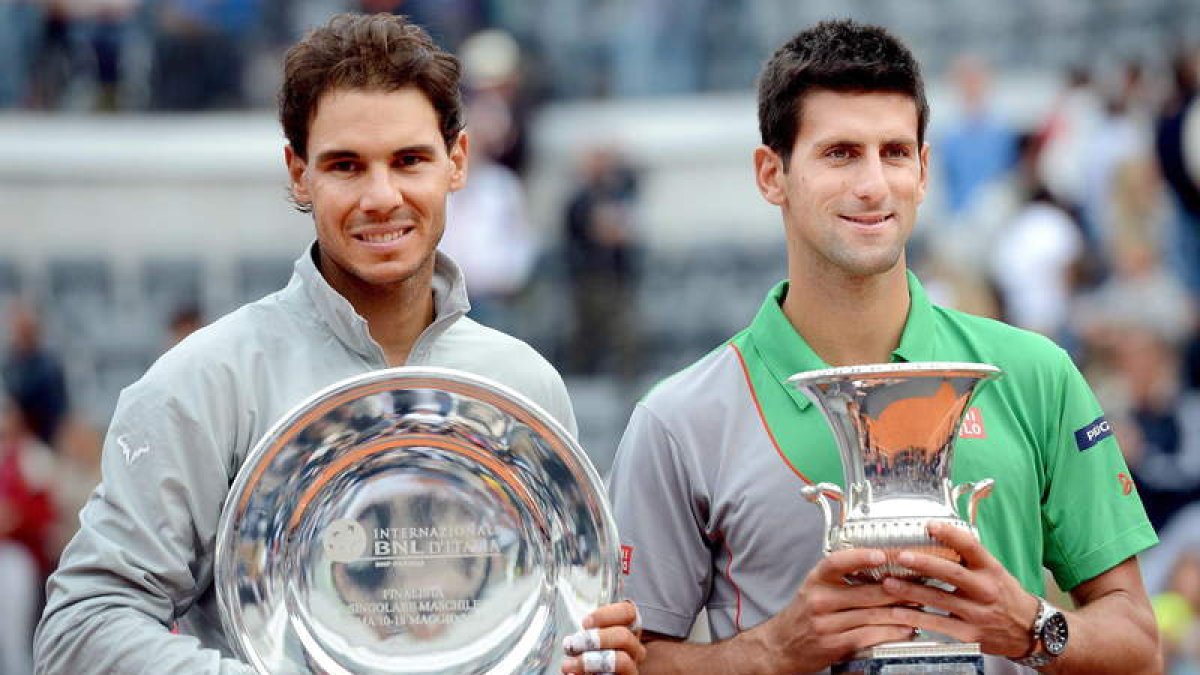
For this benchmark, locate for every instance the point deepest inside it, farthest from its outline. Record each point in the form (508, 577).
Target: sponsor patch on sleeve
(626, 559)
(1093, 433)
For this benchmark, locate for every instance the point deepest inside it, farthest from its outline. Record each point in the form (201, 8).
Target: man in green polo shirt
(707, 482)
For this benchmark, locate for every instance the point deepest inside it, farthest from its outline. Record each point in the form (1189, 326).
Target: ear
(458, 157)
(296, 166)
(924, 180)
(769, 174)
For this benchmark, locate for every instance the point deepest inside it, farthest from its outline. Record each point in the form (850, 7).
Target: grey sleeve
(658, 500)
(144, 551)
(558, 404)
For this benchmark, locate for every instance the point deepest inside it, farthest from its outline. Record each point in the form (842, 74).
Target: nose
(381, 194)
(870, 182)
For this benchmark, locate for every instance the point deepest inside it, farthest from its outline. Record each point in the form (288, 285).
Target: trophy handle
(820, 494)
(978, 490)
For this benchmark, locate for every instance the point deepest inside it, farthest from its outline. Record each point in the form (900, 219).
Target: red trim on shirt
(737, 591)
(762, 416)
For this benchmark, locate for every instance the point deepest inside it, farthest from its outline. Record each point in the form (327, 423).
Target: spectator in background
(105, 25)
(26, 518)
(493, 81)
(601, 243)
(1066, 137)
(185, 320)
(1135, 243)
(1124, 127)
(33, 376)
(1034, 256)
(488, 232)
(448, 21)
(1180, 164)
(55, 61)
(201, 49)
(19, 40)
(1177, 610)
(77, 450)
(979, 148)
(1161, 434)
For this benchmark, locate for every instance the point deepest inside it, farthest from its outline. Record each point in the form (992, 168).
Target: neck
(849, 320)
(396, 314)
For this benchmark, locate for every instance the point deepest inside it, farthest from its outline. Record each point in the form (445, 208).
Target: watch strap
(1038, 656)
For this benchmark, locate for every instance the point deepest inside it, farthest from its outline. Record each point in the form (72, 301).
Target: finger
(938, 568)
(852, 597)
(604, 661)
(584, 641)
(593, 639)
(925, 596)
(840, 623)
(862, 637)
(973, 553)
(946, 625)
(835, 567)
(623, 613)
(619, 638)
(621, 664)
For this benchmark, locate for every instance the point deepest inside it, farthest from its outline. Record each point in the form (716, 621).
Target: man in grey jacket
(371, 110)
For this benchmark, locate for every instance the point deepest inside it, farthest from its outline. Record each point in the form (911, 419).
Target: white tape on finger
(583, 641)
(603, 661)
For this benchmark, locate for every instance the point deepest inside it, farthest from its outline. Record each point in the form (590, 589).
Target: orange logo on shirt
(1126, 483)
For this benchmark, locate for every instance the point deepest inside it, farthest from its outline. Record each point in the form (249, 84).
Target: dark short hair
(378, 52)
(841, 56)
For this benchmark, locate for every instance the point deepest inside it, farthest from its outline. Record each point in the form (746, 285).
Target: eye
(838, 152)
(897, 152)
(409, 160)
(343, 166)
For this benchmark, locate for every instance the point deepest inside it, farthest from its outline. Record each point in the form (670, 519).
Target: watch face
(1054, 634)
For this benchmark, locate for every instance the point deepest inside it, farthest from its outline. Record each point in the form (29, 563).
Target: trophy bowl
(413, 520)
(894, 425)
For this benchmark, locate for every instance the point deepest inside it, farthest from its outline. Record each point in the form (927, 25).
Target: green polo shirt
(1063, 497)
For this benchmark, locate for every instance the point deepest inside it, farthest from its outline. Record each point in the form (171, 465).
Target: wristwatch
(1049, 636)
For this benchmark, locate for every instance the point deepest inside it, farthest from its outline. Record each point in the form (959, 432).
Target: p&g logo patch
(1093, 433)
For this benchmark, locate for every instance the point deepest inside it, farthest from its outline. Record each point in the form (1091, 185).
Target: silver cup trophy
(895, 426)
(413, 520)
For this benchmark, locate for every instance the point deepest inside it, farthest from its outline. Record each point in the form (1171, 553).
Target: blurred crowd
(1084, 226)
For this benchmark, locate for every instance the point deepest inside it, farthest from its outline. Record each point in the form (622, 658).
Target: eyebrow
(336, 154)
(834, 142)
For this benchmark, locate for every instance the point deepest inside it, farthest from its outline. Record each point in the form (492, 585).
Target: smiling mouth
(382, 237)
(869, 221)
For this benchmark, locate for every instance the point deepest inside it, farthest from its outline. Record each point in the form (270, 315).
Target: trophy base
(914, 658)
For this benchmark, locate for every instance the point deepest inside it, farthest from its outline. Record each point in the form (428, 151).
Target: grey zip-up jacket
(143, 557)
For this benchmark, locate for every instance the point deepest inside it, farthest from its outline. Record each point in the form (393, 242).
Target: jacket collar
(339, 316)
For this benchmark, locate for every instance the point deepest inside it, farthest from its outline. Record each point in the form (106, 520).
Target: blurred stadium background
(142, 189)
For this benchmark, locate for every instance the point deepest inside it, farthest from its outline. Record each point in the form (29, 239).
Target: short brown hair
(381, 52)
(841, 56)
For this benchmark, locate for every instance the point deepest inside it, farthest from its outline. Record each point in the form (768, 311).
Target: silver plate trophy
(895, 427)
(413, 520)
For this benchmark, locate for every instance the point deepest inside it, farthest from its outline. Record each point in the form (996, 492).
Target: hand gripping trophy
(895, 426)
